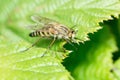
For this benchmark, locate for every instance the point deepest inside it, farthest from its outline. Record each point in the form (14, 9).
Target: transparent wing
(41, 20)
(34, 26)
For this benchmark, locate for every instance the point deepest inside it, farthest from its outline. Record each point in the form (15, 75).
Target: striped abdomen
(39, 33)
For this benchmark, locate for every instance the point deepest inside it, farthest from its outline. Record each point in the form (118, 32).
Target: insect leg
(52, 42)
(49, 46)
(31, 45)
(71, 44)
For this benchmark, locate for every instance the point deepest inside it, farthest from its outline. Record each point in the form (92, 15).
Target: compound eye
(72, 31)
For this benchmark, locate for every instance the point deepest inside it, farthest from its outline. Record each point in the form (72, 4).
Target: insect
(48, 28)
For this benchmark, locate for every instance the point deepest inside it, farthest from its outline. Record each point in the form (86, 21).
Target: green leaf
(29, 65)
(84, 14)
(15, 15)
(116, 69)
(93, 61)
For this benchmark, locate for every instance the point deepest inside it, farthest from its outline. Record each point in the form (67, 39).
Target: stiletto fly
(51, 29)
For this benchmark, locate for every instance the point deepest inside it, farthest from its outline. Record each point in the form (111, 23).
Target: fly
(51, 29)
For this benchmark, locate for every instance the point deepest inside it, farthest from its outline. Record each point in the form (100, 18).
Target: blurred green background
(98, 25)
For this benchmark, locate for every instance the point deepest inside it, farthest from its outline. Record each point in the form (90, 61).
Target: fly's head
(72, 36)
